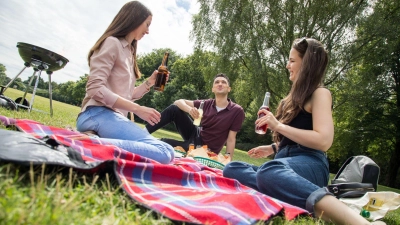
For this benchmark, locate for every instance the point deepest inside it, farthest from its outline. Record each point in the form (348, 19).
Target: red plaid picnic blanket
(184, 190)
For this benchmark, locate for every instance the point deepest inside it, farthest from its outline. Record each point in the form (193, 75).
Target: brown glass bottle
(162, 74)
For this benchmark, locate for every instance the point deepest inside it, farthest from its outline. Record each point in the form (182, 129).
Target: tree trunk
(394, 165)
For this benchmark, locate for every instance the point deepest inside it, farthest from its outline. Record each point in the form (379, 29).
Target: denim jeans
(297, 176)
(118, 130)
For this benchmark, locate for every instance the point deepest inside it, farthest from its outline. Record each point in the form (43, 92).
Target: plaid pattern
(184, 190)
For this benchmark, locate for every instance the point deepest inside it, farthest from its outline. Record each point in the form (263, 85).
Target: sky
(71, 27)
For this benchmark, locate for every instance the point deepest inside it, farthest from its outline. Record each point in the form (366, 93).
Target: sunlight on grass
(40, 195)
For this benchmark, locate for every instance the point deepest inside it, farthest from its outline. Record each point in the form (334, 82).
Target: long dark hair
(129, 17)
(309, 78)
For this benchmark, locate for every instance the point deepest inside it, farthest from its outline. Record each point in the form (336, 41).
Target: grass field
(51, 195)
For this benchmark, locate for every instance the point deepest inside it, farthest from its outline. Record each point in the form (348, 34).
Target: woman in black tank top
(302, 127)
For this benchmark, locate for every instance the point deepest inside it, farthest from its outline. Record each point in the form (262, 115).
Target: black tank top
(303, 120)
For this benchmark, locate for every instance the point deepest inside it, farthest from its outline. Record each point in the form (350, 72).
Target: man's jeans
(116, 129)
(297, 176)
(184, 125)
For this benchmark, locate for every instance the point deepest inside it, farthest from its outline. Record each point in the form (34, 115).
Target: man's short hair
(224, 76)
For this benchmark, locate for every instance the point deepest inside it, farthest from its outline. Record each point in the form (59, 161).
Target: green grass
(54, 195)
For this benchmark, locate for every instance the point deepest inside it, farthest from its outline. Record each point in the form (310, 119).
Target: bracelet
(274, 147)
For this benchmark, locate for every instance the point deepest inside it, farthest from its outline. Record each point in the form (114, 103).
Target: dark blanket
(184, 190)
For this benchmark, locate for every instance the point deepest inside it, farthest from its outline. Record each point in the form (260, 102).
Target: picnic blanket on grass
(184, 190)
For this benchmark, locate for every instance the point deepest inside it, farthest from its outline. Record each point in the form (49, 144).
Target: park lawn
(49, 195)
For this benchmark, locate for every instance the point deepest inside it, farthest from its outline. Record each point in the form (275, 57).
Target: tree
(253, 39)
(64, 93)
(370, 95)
(147, 64)
(79, 91)
(3, 76)
(150, 62)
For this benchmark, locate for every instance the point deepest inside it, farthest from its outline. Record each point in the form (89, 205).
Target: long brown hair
(129, 17)
(309, 78)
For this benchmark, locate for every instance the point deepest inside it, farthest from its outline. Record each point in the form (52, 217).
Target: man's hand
(194, 112)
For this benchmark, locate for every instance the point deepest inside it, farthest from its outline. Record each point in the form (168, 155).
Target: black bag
(357, 176)
(22, 148)
(350, 190)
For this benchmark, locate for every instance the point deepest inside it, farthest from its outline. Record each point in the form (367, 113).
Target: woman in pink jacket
(111, 88)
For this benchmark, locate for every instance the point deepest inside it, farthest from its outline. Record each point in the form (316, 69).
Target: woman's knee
(168, 153)
(269, 173)
(232, 168)
(171, 152)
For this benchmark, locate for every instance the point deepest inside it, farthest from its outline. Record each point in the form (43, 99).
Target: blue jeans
(118, 130)
(297, 176)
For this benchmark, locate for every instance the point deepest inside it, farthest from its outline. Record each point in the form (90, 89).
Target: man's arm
(187, 106)
(184, 105)
(230, 144)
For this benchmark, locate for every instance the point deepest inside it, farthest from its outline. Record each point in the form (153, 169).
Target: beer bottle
(200, 109)
(162, 74)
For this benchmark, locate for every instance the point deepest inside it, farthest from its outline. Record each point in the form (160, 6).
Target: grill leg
(9, 83)
(30, 82)
(34, 91)
(50, 93)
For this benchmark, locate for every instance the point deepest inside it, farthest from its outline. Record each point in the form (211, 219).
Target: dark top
(216, 125)
(302, 121)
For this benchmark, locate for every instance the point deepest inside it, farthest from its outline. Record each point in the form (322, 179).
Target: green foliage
(17, 83)
(253, 39)
(150, 62)
(3, 76)
(367, 104)
(31, 80)
(257, 35)
(79, 90)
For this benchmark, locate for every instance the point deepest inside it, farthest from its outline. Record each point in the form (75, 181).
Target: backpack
(357, 176)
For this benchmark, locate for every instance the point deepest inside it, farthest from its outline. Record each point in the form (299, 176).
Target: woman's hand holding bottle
(262, 129)
(268, 119)
(153, 77)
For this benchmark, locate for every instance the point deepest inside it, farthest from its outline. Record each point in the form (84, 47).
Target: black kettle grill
(40, 59)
